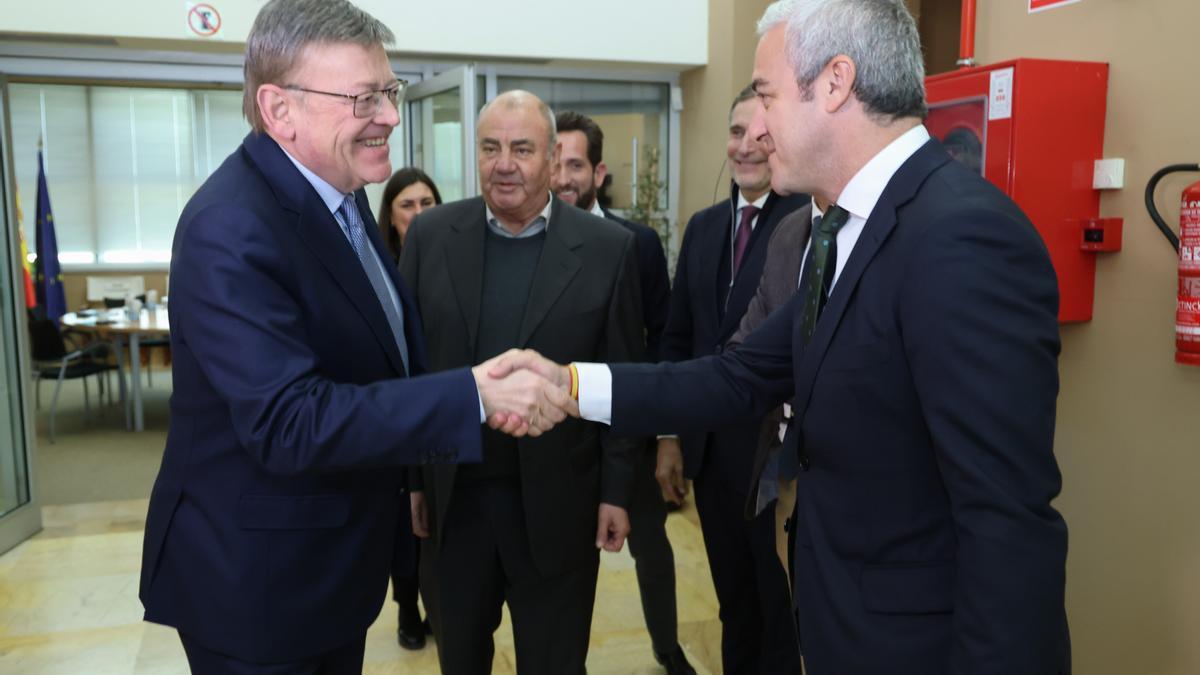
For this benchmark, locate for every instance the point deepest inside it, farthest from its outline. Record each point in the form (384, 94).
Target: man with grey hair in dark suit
(921, 355)
(517, 267)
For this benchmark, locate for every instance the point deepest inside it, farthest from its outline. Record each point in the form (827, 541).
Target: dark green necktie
(820, 265)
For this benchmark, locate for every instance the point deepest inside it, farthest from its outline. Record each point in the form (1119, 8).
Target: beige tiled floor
(68, 604)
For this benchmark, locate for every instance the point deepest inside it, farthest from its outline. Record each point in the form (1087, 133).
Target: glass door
(441, 129)
(20, 516)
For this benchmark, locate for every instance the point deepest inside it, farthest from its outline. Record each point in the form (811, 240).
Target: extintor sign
(1187, 317)
(1043, 5)
(1189, 237)
(1187, 306)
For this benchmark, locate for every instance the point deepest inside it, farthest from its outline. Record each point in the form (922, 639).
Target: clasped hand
(524, 393)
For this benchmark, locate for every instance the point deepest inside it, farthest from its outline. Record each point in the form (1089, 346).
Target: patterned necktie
(820, 265)
(362, 247)
(742, 238)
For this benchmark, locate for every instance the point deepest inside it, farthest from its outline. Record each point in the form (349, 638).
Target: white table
(114, 325)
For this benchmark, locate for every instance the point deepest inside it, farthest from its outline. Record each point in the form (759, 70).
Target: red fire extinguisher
(1187, 244)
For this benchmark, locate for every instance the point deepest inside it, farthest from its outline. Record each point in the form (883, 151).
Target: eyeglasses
(366, 104)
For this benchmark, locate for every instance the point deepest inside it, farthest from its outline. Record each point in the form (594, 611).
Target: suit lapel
(902, 188)
(746, 283)
(323, 236)
(464, 259)
(709, 269)
(556, 267)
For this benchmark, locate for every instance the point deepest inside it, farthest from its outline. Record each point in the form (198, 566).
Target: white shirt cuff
(595, 392)
(482, 412)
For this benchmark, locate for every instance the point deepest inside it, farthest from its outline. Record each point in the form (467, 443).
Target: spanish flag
(26, 269)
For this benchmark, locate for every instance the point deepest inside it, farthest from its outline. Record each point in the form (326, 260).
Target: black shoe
(410, 641)
(411, 632)
(675, 662)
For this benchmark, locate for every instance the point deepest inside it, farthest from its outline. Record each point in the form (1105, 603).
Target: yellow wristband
(574, 380)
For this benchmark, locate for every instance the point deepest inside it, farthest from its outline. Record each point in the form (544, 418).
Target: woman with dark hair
(408, 192)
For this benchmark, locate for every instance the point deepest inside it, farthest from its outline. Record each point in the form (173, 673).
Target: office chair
(51, 360)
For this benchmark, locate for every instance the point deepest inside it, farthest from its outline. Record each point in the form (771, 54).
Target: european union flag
(49, 282)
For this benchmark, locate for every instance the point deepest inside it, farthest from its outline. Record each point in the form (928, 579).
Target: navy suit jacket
(271, 524)
(926, 542)
(656, 285)
(706, 313)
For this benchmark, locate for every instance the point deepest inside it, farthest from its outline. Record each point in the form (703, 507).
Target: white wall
(671, 32)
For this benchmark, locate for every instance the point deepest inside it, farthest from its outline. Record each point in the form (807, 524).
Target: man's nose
(757, 132)
(505, 162)
(388, 113)
(747, 145)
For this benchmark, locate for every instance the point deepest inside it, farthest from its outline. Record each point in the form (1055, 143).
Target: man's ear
(837, 82)
(277, 110)
(599, 174)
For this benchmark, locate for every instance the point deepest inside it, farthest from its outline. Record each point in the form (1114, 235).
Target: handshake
(524, 393)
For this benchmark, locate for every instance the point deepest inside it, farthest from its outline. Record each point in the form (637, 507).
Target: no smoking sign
(203, 20)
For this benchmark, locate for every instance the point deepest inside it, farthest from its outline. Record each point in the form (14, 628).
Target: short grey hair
(282, 31)
(516, 98)
(879, 35)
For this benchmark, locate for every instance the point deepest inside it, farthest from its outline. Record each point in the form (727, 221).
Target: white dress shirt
(737, 213)
(858, 198)
(863, 191)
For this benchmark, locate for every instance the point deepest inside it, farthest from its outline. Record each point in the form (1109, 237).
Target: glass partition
(19, 513)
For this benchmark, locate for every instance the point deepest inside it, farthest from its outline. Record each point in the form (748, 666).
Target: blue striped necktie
(362, 247)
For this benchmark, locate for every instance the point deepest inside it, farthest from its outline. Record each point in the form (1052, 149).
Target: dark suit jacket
(703, 317)
(656, 285)
(926, 542)
(271, 523)
(583, 306)
(780, 277)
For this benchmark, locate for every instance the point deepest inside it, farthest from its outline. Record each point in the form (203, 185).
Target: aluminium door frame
(26, 519)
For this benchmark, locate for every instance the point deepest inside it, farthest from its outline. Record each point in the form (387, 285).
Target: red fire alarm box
(1035, 128)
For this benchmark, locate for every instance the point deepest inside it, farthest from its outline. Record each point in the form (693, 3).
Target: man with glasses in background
(297, 398)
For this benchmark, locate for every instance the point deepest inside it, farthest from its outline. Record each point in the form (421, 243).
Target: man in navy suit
(577, 178)
(298, 351)
(720, 264)
(922, 353)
